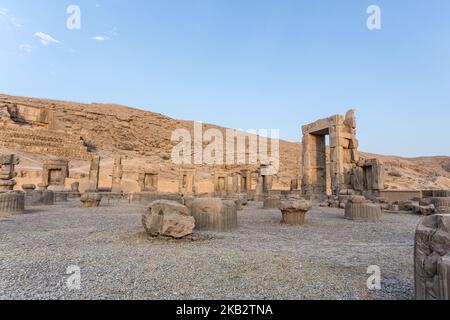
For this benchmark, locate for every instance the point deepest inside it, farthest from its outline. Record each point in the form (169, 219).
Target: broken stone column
(432, 258)
(117, 175)
(358, 209)
(94, 175)
(91, 200)
(294, 211)
(214, 214)
(168, 219)
(11, 202)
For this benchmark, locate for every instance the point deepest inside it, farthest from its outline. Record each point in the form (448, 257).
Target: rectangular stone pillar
(94, 174)
(117, 175)
(246, 181)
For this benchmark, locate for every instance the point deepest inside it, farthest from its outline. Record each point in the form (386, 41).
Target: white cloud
(9, 18)
(100, 38)
(46, 39)
(27, 48)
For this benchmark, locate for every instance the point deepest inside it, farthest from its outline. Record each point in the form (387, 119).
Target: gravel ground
(326, 259)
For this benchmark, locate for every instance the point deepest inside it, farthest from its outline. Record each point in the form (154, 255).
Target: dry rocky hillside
(76, 131)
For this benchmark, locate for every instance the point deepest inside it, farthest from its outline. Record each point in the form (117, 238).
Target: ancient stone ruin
(220, 183)
(187, 181)
(117, 175)
(294, 211)
(91, 200)
(359, 209)
(94, 175)
(214, 214)
(168, 219)
(35, 197)
(432, 258)
(346, 169)
(31, 128)
(246, 181)
(148, 181)
(54, 174)
(11, 202)
(264, 183)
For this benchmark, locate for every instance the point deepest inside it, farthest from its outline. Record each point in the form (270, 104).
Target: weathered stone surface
(272, 202)
(11, 203)
(362, 211)
(40, 198)
(148, 197)
(168, 219)
(8, 163)
(116, 186)
(28, 187)
(55, 173)
(91, 200)
(427, 210)
(347, 169)
(294, 211)
(148, 181)
(61, 196)
(432, 258)
(94, 174)
(440, 201)
(214, 214)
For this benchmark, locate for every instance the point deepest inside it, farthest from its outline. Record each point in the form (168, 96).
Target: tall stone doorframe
(187, 181)
(54, 174)
(220, 183)
(148, 181)
(246, 181)
(346, 169)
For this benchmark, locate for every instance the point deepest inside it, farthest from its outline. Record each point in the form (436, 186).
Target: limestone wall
(39, 140)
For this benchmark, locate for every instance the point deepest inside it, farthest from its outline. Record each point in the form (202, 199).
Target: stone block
(214, 214)
(146, 198)
(168, 219)
(40, 198)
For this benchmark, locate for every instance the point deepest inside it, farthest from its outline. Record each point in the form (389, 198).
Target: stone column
(337, 159)
(117, 175)
(235, 183)
(11, 202)
(94, 174)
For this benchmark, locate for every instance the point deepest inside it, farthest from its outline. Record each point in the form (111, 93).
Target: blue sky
(244, 64)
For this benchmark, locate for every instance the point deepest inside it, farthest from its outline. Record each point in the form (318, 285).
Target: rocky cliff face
(144, 140)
